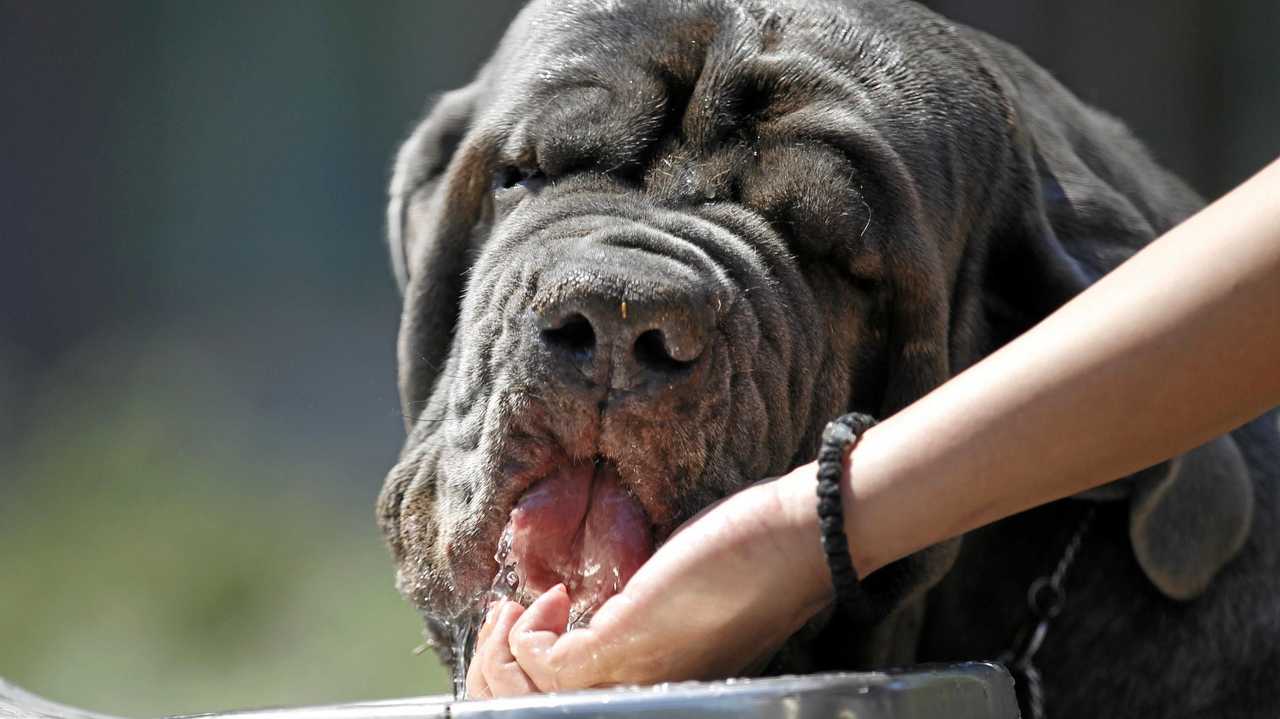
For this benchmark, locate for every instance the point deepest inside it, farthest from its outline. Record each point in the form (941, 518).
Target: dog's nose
(625, 343)
(626, 332)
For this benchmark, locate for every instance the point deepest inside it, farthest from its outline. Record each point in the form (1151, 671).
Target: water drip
(466, 627)
(464, 647)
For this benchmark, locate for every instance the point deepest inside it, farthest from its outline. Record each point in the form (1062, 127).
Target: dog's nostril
(574, 335)
(651, 352)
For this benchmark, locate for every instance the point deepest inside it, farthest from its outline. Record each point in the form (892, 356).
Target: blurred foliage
(148, 570)
(197, 332)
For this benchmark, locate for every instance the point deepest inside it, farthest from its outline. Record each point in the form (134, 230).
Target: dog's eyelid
(628, 173)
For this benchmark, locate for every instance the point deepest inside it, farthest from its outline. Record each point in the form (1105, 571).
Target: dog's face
(653, 249)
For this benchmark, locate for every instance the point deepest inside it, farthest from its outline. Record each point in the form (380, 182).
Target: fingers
(494, 672)
(490, 618)
(536, 633)
(556, 660)
(477, 687)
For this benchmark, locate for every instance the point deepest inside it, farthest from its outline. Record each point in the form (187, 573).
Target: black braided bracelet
(840, 436)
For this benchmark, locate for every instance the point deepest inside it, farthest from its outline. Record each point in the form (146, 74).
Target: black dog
(655, 246)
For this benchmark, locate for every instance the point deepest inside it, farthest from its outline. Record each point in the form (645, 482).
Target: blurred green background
(197, 398)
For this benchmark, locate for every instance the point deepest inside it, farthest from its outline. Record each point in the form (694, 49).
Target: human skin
(1176, 346)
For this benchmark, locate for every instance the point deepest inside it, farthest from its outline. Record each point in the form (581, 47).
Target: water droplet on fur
(506, 582)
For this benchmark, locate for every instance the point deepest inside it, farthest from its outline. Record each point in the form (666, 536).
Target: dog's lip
(517, 483)
(519, 477)
(578, 527)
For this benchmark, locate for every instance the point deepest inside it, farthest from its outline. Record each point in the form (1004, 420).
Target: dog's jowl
(655, 245)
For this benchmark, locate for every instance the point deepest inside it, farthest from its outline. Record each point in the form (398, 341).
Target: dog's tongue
(580, 527)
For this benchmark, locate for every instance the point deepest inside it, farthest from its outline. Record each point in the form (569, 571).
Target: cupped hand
(720, 596)
(493, 671)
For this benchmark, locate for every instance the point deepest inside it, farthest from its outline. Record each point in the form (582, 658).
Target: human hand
(720, 596)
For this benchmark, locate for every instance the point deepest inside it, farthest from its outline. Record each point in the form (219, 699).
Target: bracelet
(840, 436)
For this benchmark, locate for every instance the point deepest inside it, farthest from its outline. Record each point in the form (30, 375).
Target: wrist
(797, 495)
(798, 518)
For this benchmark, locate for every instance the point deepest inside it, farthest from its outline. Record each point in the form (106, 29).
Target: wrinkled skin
(810, 209)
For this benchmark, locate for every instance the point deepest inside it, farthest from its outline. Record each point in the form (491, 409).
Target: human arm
(1177, 345)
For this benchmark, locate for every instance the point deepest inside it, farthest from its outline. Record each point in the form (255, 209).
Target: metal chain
(1073, 548)
(1045, 598)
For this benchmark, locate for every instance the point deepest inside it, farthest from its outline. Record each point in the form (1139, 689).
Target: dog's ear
(419, 168)
(437, 205)
(918, 319)
(1188, 516)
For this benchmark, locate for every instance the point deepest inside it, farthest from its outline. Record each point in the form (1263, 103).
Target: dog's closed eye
(511, 176)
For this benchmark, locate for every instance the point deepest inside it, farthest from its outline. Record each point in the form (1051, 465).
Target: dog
(655, 246)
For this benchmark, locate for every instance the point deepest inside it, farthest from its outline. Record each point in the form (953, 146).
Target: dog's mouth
(578, 526)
